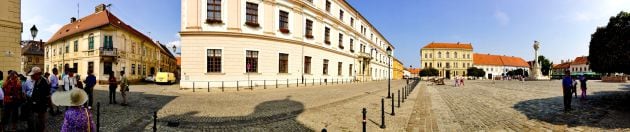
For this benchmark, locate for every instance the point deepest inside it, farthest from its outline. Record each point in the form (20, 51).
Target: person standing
(38, 100)
(583, 86)
(77, 118)
(567, 84)
(112, 88)
(90, 82)
(69, 81)
(54, 85)
(13, 98)
(124, 88)
(574, 88)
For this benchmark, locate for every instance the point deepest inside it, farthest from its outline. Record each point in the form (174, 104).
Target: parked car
(149, 78)
(165, 77)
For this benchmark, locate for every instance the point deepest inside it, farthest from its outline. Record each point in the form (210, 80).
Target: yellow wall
(398, 69)
(10, 30)
(458, 65)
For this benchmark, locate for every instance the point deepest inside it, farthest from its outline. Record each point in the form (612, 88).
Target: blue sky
(505, 27)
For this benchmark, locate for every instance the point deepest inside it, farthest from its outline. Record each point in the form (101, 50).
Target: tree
(545, 65)
(610, 45)
(429, 72)
(517, 72)
(475, 72)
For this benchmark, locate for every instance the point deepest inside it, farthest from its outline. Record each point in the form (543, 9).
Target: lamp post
(34, 32)
(389, 70)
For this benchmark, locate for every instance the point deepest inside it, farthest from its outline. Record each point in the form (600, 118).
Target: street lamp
(389, 70)
(34, 32)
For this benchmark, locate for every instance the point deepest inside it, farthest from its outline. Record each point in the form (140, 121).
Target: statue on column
(536, 74)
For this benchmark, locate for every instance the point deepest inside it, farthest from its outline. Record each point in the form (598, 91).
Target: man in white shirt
(54, 81)
(69, 81)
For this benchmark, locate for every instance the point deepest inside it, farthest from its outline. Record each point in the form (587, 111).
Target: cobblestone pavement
(525, 106)
(336, 107)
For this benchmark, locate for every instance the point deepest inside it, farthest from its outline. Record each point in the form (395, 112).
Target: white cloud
(176, 43)
(502, 18)
(52, 28)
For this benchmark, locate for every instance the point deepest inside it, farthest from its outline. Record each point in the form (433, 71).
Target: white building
(497, 65)
(230, 42)
(580, 64)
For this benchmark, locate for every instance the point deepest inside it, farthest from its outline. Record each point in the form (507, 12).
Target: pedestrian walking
(112, 88)
(583, 86)
(13, 98)
(574, 87)
(54, 85)
(38, 101)
(77, 118)
(567, 84)
(124, 88)
(90, 82)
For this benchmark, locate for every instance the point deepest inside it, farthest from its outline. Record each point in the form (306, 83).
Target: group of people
(569, 88)
(459, 81)
(29, 98)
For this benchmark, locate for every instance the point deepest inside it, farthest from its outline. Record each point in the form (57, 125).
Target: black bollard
(297, 82)
(236, 85)
(155, 121)
(276, 83)
(222, 87)
(98, 116)
(393, 113)
(251, 83)
(364, 119)
(382, 112)
(265, 84)
(193, 86)
(287, 83)
(398, 98)
(208, 86)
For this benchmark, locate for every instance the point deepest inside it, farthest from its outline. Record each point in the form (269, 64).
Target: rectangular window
(352, 22)
(350, 70)
(252, 14)
(108, 43)
(339, 66)
(91, 42)
(327, 35)
(90, 66)
(284, 21)
(308, 29)
(325, 70)
(67, 49)
(341, 15)
(76, 46)
(133, 69)
(139, 69)
(283, 63)
(341, 41)
(251, 61)
(107, 67)
(213, 60)
(327, 5)
(307, 64)
(352, 45)
(214, 11)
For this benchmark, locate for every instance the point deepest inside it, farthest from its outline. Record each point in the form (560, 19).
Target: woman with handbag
(77, 118)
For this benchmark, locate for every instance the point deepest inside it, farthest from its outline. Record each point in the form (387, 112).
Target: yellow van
(165, 77)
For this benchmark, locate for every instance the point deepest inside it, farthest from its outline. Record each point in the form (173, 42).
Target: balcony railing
(108, 51)
(364, 55)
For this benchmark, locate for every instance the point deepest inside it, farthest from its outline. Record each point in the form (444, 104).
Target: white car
(149, 78)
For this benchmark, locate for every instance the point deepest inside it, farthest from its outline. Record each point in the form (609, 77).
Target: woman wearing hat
(77, 118)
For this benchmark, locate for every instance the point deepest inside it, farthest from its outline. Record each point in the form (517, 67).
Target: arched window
(455, 54)
(439, 54)
(448, 55)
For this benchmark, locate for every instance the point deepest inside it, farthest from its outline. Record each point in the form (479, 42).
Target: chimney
(73, 19)
(99, 8)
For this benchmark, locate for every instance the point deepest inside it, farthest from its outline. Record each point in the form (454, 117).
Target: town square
(314, 65)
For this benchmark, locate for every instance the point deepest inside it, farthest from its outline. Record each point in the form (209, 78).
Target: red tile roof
(580, 60)
(92, 21)
(414, 71)
(434, 45)
(565, 65)
(497, 60)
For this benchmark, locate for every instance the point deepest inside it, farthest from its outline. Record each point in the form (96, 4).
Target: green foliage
(429, 72)
(609, 49)
(518, 72)
(475, 72)
(545, 65)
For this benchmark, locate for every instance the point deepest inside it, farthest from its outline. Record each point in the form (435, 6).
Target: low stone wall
(621, 79)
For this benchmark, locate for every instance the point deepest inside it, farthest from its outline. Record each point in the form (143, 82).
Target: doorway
(448, 74)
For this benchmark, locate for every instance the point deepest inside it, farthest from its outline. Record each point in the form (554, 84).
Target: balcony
(112, 52)
(364, 55)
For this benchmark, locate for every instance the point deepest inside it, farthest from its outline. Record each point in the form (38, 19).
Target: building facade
(302, 40)
(102, 43)
(11, 32)
(580, 65)
(32, 55)
(398, 69)
(497, 66)
(450, 59)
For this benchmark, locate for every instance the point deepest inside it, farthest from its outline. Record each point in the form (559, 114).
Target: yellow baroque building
(10, 32)
(450, 59)
(102, 43)
(398, 68)
(255, 42)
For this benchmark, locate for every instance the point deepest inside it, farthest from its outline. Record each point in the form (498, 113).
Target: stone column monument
(536, 74)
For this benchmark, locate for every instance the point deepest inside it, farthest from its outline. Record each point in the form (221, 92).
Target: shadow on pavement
(275, 115)
(605, 109)
(115, 117)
